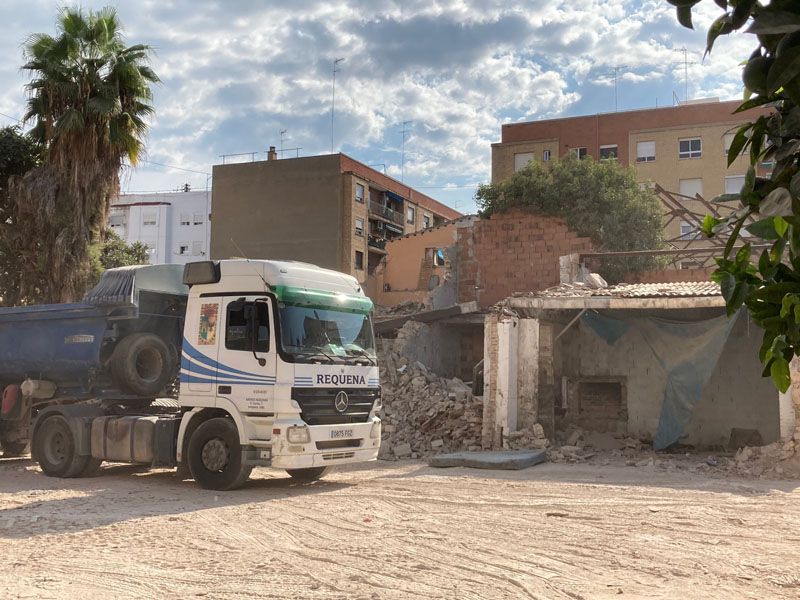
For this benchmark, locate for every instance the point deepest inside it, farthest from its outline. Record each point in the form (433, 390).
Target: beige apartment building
(330, 210)
(682, 148)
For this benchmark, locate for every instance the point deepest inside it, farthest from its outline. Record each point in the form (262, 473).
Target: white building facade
(174, 225)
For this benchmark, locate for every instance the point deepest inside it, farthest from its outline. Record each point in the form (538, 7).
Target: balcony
(377, 243)
(387, 213)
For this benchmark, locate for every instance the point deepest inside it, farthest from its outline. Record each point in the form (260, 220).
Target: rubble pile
(526, 439)
(777, 459)
(424, 413)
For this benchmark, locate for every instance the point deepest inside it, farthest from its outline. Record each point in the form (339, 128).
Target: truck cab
(285, 352)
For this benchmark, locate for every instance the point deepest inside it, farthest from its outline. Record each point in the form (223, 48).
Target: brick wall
(515, 251)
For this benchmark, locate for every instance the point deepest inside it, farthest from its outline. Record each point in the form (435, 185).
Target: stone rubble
(424, 413)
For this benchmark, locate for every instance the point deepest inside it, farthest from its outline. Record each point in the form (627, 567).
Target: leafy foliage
(89, 99)
(600, 200)
(18, 155)
(770, 286)
(115, 252)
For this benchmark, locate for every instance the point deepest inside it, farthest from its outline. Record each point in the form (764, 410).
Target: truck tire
(308, 475)
(14, 449)
(215, 456)
(142, 364)
(54, 449)
(92, 467)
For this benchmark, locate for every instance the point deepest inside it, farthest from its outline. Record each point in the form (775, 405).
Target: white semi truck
(276, 363)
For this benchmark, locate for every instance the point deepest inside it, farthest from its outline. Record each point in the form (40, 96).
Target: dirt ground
(401, 530)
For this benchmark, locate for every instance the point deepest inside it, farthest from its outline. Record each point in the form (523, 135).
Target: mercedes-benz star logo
(341, 402)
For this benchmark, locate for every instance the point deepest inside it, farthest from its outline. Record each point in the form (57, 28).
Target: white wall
(171, 240)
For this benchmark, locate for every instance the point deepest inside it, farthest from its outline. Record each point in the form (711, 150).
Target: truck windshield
(326, 334)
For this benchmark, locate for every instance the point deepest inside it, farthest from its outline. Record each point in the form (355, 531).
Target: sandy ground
(400, 530)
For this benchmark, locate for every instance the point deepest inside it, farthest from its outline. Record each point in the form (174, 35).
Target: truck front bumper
(326, 445)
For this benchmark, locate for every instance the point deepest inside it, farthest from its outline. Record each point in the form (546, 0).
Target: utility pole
(403, 152)
(336, 69)
(282, 134)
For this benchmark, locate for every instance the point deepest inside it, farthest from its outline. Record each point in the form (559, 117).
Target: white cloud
(237, 72)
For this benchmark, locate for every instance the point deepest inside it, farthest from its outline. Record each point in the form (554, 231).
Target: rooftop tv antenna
(403, 151)
(617, 69)
(686, 64)
(336, 69)
(283, 133)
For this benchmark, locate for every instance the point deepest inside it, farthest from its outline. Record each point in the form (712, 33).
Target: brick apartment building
(682, 148)
(330, 210)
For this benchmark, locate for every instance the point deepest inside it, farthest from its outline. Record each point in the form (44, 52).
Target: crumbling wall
(514, 251)
(434, 345)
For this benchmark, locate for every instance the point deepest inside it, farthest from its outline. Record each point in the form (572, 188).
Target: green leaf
(757, 101)
(685, 16)
(785, 68)
(764, 264)
(737, 298)
(721, 26)
(738, 144)
(749, 180)
(709, 223)
(779, 370)
(781, 226)
(743, 255)
(764, 229)
(778, 203)
(775, 21)
(727, 285)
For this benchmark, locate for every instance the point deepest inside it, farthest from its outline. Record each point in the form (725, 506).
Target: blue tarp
(687, 352)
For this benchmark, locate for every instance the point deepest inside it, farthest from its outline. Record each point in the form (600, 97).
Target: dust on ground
(401, 530)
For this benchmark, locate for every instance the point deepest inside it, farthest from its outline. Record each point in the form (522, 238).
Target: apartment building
(330, 210)
(173, 225)
(682, 148)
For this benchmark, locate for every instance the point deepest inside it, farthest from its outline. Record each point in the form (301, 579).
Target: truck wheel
(307, 475)
(142, 364)
(14, 449)
(54, 449)
(215, 456)
(92, 467)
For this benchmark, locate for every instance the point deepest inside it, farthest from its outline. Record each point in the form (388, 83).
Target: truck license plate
(341, 433)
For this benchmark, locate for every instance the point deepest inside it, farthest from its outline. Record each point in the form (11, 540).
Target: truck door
(200, 346)
(247, 355)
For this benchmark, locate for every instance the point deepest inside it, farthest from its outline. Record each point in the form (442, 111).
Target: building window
(197, 248)
(645, 151)
(438, 257)
(608, 152)
(149, 219)
(359, 193)
(734, 184)
(185, 219)
(360, 227)
(117, 221)
(579, 152)
(691, 187)
(426, 221)
(411, 214)
(359, 260)
(183, 249)
(238, 334)
(521, 160)
(688, 231)
(546, 155)
(691, 148)
(197, 219)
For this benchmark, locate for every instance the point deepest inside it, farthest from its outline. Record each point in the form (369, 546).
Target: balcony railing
(386, 212)
(377, 242)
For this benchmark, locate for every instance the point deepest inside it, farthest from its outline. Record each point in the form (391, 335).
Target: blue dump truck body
(58, 342)
(121, 342)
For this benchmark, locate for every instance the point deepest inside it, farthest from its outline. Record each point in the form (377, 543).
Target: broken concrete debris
(422, 412)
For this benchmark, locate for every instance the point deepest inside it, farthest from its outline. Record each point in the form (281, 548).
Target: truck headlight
(298, 434)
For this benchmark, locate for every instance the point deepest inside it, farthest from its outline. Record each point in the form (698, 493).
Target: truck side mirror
(251, 317)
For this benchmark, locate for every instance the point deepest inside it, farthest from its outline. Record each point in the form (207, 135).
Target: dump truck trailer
(270, 363)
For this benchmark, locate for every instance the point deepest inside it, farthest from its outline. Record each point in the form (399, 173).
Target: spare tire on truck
(142, 364)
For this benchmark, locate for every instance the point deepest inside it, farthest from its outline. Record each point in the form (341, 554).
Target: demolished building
(660, 362)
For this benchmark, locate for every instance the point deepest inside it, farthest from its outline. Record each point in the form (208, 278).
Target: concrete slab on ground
(521, 459)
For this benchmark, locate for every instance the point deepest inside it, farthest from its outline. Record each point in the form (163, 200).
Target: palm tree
(89, 100)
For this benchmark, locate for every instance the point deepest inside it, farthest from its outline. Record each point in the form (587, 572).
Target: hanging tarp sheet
(687, 352)
(121, 286)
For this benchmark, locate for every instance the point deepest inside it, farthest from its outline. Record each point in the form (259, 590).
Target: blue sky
(237, 72)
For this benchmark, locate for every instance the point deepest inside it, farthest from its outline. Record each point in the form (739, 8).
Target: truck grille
(317, 405)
